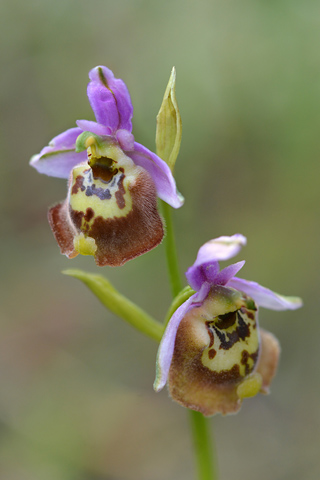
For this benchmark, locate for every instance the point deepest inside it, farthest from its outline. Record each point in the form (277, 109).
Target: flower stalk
(203, 446)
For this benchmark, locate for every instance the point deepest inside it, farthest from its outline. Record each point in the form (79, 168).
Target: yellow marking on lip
(108, 207)
(226, 359)
(220, 301)
(250, 386)
(84, 245)
(105, 208)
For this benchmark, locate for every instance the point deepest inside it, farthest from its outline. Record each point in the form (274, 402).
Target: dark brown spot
(228, 339)
(89, 214)
(212, 353)
(210, 333)
(77, 185)
(120, 193)
(77, 217)
(245, 355)
(243, 329)
(249, 313)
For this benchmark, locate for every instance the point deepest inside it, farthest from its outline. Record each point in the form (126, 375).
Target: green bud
(169, 126)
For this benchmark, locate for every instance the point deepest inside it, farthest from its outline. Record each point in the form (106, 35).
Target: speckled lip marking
(213, 357)
(228, 339)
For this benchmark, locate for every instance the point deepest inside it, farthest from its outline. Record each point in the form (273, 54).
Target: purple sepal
(109, 99)
(221, 248)
(58, 164)
(65, 140)
(160, 173)
(264, 297)
(166, 347)
(59, 157)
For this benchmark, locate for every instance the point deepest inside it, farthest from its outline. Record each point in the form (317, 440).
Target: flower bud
(169, 126)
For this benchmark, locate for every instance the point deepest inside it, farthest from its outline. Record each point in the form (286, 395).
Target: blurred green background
(76, 398)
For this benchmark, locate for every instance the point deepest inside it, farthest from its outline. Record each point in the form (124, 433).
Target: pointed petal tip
(33, 160)
(71, 272)
(223, 277)
(158, 384)
(264, 297)
(176, 201)
(293, 302)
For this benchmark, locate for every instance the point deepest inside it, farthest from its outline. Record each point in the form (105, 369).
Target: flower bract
(111, 208)
(213, 354)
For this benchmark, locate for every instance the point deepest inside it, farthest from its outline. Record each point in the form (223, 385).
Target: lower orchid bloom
(213, 354)
(111, 208)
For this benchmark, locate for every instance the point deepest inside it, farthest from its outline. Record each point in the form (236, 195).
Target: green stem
(171, 251)
(205, 457)
(204, 451)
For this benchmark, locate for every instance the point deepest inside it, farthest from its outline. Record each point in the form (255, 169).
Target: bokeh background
(76, 398)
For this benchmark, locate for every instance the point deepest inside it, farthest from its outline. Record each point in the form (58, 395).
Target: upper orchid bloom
(212, 353)
(111, 208)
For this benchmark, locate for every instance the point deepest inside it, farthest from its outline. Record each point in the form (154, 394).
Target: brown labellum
(118, 214)
(217, 349)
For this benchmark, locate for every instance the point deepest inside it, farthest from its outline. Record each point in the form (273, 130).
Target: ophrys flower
(111, 208)
(213, 353)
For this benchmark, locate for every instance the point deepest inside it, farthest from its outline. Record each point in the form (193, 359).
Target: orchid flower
(212, 354)
(111, 208)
